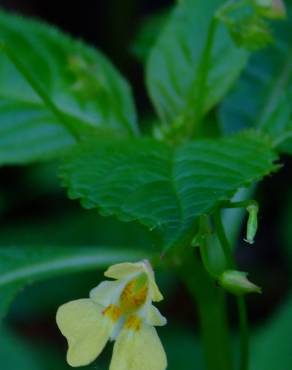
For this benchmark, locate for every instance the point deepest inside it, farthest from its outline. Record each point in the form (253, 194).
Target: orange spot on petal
(113, 312)
(133, 323)
(131, 299)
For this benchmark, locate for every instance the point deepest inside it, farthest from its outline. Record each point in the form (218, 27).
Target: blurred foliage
(34, 210)
(18, 353)
(271, 346)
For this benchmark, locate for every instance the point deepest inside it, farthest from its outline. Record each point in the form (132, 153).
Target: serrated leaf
(175, 64)
(22, 265)
(262, 96)
(164, 188)
(79, 80)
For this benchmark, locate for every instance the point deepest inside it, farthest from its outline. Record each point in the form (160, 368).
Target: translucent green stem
(223, 240)
(244, 334)
(210, 300)
(240, 204)
(242, 312)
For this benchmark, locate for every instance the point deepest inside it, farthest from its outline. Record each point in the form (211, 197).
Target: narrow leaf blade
(22, 265)
(174, 65)
(262, 96)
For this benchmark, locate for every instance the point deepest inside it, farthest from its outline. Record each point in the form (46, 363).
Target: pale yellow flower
(119, 310)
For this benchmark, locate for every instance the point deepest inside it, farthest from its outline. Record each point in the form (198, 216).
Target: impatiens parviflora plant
(60, 99)
(119, 310)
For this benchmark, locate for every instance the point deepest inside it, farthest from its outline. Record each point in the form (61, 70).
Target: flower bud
(236, 282)
(252, 223)
(252, 33)
(247, 22)
(273, 9)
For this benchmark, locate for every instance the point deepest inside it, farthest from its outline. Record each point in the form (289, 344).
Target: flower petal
(154, 317)
(85, 328)
(156, 294)
(107, 292)
(122, 270)
(138, 350)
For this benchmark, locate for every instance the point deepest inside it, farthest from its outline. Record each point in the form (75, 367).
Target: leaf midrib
(78, 262)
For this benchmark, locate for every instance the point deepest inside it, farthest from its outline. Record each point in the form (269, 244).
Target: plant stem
(223, 239)
(61, 117)
(244, 335)
(210, 300)
(202, 242)
(242, 312)
(240, 204)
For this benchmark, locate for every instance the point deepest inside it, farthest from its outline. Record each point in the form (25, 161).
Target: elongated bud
(252, 223)
(247, 23)
(252, 33)
(273, 9)
(236, 282)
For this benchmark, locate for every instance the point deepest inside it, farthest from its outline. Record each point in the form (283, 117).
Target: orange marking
(113, 312)
(131, 299)
(133, 323)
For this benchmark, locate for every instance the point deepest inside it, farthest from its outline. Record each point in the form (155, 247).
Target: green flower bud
(252, 223)
(236, 282)
(251, 33)
(273, 9)
(247, 22)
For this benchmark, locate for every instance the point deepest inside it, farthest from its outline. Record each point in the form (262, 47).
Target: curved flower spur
(119, 310)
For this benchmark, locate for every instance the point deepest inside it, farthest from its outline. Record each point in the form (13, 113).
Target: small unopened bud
(252, 33)
(236, 282)
(273, 9)
(252, 223)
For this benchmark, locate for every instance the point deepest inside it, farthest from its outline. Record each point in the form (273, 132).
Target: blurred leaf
(262, 96)
(22, 265)
(7, 294)
(148, 33)
(182, 347)
(272, 345)
(174, 69)
(164, 189)
(17, 353)
(73, 228)
(83, 85)
(285, 221)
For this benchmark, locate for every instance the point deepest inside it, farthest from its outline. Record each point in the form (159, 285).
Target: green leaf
(186, 355)
(22, 265)
(18, 353)
(271, 346)
(7, 294)
(262, 96)
(177, 63)
(80, 82)
(164, 188)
